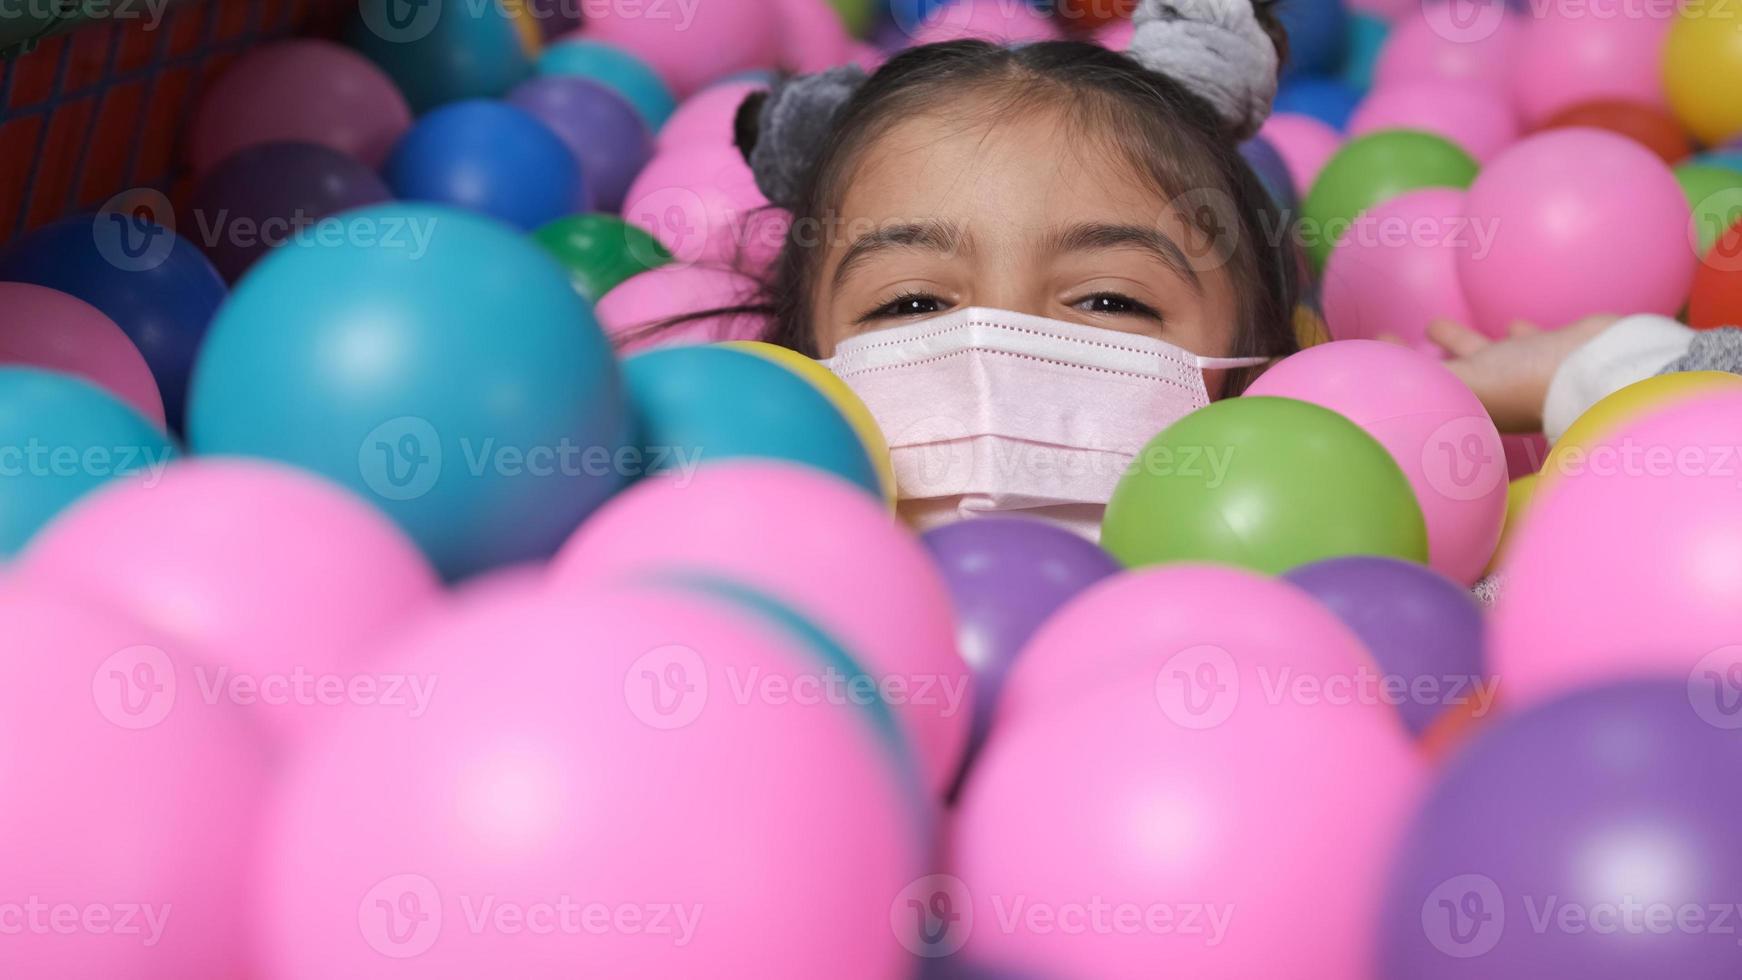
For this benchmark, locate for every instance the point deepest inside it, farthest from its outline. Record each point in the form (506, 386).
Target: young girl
(1029, 260)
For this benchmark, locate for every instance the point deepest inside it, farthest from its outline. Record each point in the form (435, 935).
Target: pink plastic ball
(999, 21)
(1182, 820)
(1306, 145)
(588, 795)
(629, 312)
(1583, 222)
(867, 56)
(707, 118)
(1433, 425)
(692, 44)
(1450, 42)
(306, 91)
(1118, 35)
(812, 36)
(1396, 271)
(47, 328)
(1525, 454)
(278, 580)
(1631, 565)
(859, 576)
(1478, 120)
(702, 204)
(129, 806)
(1604, 49)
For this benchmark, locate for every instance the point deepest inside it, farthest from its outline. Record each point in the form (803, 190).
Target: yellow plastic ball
(1702, 69)
(837, 392)
(1632, 402)
(1309, 328)
(526, 28)
(1519, 496)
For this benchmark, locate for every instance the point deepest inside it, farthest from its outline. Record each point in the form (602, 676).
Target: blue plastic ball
(157, 286)
(615, 69)
(439, 51)
(1731, 159)
(1318, 30)
(696, 405)
(1367, 37)
(435, 362)
(492, 158)
(1272, 172)
(60, 438)
(1330, 101)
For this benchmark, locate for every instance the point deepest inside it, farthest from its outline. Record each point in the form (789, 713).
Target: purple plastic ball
(600, 127)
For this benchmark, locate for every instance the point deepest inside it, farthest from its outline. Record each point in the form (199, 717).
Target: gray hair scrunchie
(1215, 48)
(792, 124)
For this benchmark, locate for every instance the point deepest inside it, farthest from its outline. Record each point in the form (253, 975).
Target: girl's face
(1020, 214)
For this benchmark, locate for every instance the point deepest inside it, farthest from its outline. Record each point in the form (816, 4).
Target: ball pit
(48, 329)
(438, 55)
(1605, 49)
(1396, 271)
(615, 68)
(493, 158)
(702, 203)
(1476, 120)
(603, 131)
(1650, 127)
(691, 49)
(1440, 43)
(1372, 169)
(600, 251)
(1717, 298)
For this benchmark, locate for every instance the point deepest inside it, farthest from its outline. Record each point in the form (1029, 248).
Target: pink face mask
(993, 412)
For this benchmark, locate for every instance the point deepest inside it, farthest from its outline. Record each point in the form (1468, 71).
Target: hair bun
(792, 125)
(1219, 49)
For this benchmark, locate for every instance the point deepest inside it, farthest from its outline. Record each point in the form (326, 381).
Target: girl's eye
(909, 305)
(1113, 304)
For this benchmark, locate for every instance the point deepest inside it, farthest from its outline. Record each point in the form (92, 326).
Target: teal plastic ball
(440, 52)
(435, 362)
(698, 405)
(617, 70)
(60, 438)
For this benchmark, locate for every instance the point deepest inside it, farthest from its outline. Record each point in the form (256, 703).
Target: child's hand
(1512, 376)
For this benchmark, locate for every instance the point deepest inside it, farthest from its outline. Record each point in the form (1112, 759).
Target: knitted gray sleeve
(1711, 350)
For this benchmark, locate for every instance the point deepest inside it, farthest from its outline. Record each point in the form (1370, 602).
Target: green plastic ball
(1715, 195)
(600, 251)
(858, 15)
(1371, 170)
(1263, 483)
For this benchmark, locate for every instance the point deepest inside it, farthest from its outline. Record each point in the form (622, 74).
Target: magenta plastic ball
(691, 47)
(130, 807)
(1469, 44)
(604, 131)
(702, 204)
(588, 795)
(1601, 50)
(273, 576)
(866, 581)
(708, 117)
(813, 37)
(1478, 120)
(46, 328)
(1631, 563)
(631, 312)
(1430, 422)
(303, 90)
(1583, 222)
(1396, 271)
(1306, 145)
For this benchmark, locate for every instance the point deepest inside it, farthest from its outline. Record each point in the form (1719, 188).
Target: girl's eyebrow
(1103, 237)
(928, 236)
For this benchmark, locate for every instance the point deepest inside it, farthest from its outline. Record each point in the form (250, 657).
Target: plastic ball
(1476, 120)
(1572, 452)
(65, 437)
(378, 358)
(1396, 271)
(1373, 169)
(1717, 297)
(48, 329)
(1702, 70)
(731, 523)
(616, 69)
(493, 158)
(1318, 35)
(443, 52)
(714, 404)
(1440, 42)
(1575, 840)
(1272, 172)
(812, 36)
(691, 47)
(702, 203)
(1271, 816)
(1434, 427)
(840, 395)
(604, 132)
(276, 578)
(1558, 203)
(1225, 484)
(997, 21)
(1421, 628)
(1570, 613)
(858, 15)
(1604, 49)
(130, 804)
(600, 251)
(638, 313)
(1715, 194)
(1520, 495)
(156, 285)
(593, 819)
(1305, 143)
(256, 199)
(1650, 127)
(303, 91)
(1328, 100)
(707, 118)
